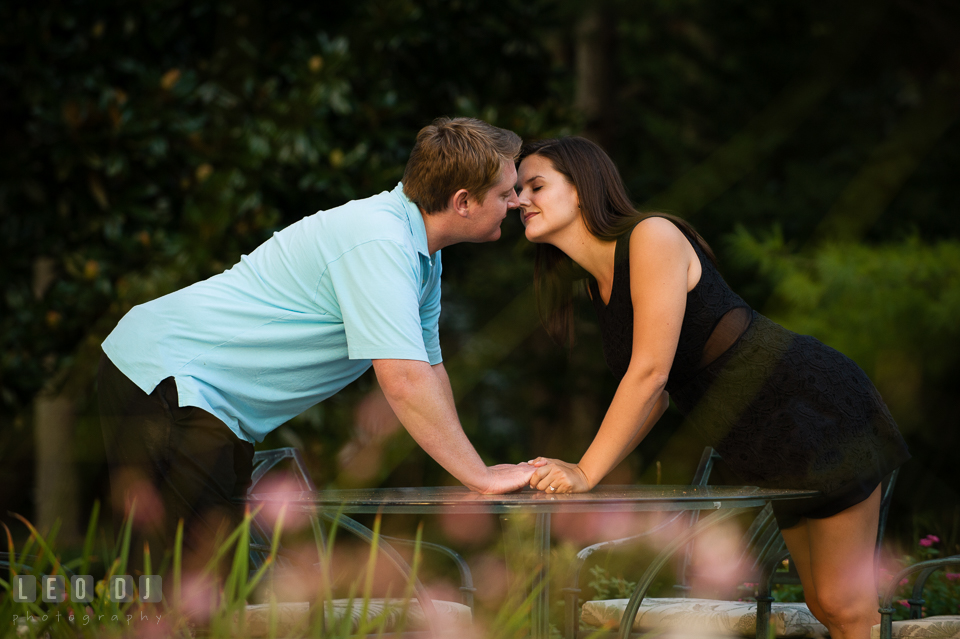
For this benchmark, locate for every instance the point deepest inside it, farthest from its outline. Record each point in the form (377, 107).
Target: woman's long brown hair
(607, 213)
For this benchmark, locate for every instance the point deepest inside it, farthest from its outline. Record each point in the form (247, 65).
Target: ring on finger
(552, 489)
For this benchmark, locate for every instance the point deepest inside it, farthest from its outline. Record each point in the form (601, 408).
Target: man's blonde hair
(454, 154)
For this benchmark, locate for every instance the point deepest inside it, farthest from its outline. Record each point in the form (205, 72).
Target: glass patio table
(722, 502)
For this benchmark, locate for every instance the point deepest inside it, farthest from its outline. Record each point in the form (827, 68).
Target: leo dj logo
(119, 588)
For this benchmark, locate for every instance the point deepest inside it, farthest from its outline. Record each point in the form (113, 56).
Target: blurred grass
(180, 616)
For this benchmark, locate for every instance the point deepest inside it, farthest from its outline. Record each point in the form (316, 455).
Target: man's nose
(514, 201)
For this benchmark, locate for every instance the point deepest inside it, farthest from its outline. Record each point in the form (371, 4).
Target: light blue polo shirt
(296, 320)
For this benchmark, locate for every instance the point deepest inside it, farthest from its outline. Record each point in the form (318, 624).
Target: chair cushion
(294, 617)
(939, 627)
(707, 616)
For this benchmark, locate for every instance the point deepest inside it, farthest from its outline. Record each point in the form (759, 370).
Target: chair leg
(764, 609)
(886, 623)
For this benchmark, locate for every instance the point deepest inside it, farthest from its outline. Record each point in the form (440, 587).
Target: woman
(783, 409)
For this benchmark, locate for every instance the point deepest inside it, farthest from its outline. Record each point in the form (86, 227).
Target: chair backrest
(701, 478)
(260, 532)
(886, 498)
(265, 460)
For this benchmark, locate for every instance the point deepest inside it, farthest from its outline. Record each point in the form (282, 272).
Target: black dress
(782, 409)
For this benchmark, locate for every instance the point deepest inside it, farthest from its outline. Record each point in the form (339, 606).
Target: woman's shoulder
(661, 249)
(655, 232)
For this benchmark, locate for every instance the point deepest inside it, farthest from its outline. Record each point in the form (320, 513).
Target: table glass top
(601, 498)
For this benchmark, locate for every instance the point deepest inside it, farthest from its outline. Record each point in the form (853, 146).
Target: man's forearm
(420, 396)
(444, 379)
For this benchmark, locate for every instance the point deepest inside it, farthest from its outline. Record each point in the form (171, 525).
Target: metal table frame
(722, 503)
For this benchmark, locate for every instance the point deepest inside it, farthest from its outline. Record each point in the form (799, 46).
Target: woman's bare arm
(662, 267)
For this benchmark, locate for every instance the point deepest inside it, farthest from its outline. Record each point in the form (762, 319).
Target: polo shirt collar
(415, 218)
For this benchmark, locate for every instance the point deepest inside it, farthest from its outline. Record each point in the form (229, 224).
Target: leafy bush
(607, 587)
(941, 594)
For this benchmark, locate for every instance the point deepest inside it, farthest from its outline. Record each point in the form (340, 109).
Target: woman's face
(548, 203)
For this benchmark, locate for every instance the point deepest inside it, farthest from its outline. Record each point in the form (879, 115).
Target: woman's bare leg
(835, 556)
(798, 543)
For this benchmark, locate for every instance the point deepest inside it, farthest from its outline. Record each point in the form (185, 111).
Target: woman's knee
(839, 606)
(813, 603)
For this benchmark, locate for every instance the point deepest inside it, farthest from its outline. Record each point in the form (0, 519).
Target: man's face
(486, 216)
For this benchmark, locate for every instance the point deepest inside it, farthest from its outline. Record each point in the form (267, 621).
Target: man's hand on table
(505, 478)
(557, 476)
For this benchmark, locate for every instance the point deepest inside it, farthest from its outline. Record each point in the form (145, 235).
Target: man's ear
(460, 201)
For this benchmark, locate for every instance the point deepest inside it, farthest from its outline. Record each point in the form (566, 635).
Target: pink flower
(933, 538)
(904, 581)
(926, 542)
(953, 575)
(904, 603)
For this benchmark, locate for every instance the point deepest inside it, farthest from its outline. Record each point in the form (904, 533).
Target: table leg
(527, 551)
(540, 614)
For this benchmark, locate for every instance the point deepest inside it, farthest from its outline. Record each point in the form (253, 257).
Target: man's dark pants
(179, 463)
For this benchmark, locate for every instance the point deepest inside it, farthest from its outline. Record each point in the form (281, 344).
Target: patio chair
(917, 625)
(419, 612)
(764, 553)
(572, 592)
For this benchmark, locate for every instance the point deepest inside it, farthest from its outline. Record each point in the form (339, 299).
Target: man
(190, 381)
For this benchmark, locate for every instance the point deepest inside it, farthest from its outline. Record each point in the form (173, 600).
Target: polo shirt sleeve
(430, 318)
(378, 289)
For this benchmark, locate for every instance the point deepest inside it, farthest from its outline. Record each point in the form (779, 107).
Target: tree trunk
(54, 421)
(56, 495)
(595, 37)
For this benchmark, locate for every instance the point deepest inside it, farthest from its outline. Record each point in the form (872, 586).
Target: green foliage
(941, 593)
(153, 144)
(605, 584)
(891, 308)
(788, 592)
(607, 587)
(148, 146)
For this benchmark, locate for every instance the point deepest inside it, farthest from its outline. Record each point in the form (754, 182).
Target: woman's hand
(557, 476)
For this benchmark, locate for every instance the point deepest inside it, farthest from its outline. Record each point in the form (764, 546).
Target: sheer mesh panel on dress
(727, 331)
